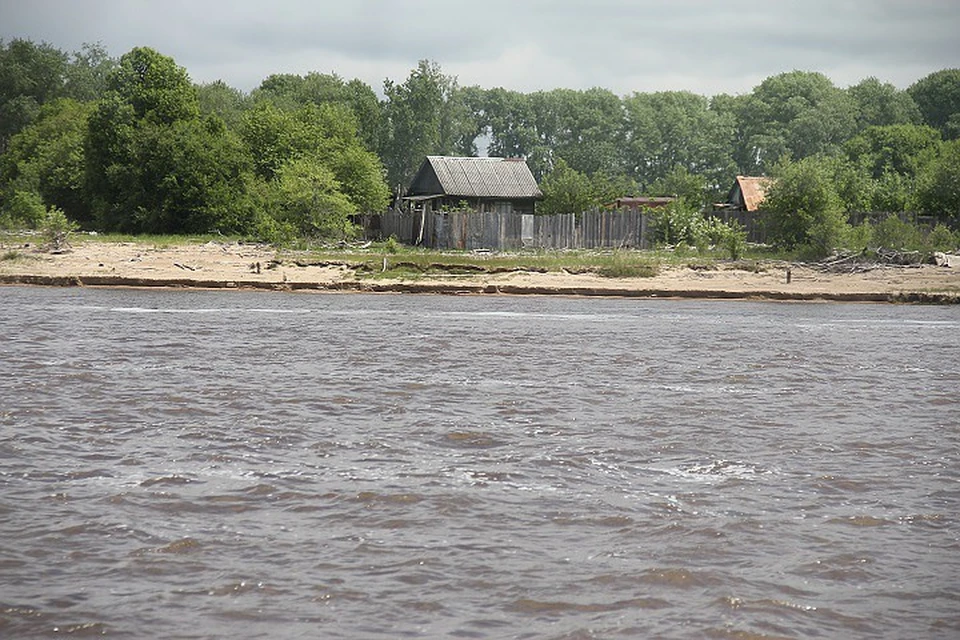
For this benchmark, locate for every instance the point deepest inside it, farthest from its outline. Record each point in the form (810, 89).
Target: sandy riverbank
(231, 265)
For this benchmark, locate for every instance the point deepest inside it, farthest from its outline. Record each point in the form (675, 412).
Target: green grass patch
(158, 241)
(408, 262)
(623, 264)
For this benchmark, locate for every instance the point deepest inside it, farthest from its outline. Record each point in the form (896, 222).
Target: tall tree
(938, 192)
(671, 129)
(565, 190)
(220, 99)
(795, 114)
(153, 164)
(87, 72)
(938, 97)
(47, 158)
(291, 92)
(882, 104)
(901, 148)
(30, 75)
(323, 137)
(802, 207)
(423, 116)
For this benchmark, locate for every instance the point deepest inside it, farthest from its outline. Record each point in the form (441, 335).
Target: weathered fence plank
(502, 229)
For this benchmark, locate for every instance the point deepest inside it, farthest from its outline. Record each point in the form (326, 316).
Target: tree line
(133, 145)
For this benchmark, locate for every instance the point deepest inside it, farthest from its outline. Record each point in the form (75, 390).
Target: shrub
(25, 209)
(391, 245)
(56, 229)
(802, 208)
(941, 238)
(861, 236)
(894, 233)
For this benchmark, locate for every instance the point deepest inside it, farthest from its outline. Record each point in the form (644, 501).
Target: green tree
(221, 100)
(802, 207)
(507, 117)
(153, 164)
(47, 158)
(798, 114)
(291, 92)
(87, 72)
(585, 128)
(607, 187)
(680, 183)
(360, 176)
(30, 75)
(327, 135)
(565, 191)
(901, 148)
(938, 97)
(938, 191)
(882, 104)
(666, 130)
(154, 86)
(190, 178)
(423, 116)
(307, 196)
(22, 209)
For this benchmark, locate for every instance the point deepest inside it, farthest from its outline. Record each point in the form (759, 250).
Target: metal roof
(483, 177)
(753, 191)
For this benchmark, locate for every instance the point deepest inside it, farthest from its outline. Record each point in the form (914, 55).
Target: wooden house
(502, 185)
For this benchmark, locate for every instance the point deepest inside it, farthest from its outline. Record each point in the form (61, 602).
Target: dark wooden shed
(503, 185)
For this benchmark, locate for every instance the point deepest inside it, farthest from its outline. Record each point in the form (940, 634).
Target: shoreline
(232, 266)
(434, 288)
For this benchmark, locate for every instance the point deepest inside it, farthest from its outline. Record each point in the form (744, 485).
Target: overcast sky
(705, 46)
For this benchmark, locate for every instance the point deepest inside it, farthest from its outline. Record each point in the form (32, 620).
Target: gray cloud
(705, 46)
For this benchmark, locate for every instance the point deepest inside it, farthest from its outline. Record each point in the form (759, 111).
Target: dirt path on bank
(232, 265)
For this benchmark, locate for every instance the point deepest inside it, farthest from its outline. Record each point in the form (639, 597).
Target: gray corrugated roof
(485, 177)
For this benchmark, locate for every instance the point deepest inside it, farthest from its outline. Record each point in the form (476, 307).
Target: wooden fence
(503, 229)
(506, 230)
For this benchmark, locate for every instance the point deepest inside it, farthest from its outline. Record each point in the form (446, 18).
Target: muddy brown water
(185, 464)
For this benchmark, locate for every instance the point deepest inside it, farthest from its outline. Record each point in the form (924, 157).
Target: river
(197, 464)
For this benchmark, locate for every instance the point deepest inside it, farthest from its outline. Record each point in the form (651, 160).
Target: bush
(56, 229)
(25, 209)
(894, 233)
(391, 245)
(860, 237)
(802, 208)
(729, 237)
(677, 223)
(941, 238)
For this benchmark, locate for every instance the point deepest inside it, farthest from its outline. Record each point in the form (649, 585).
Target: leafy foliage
(423, 116)
(938, 191)
(307, 196)
(565, 190)
(938, 97)
(803, 209)
(155, 166)
(56, 229)
(133, 145)
(48, 158)
(23, 209)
